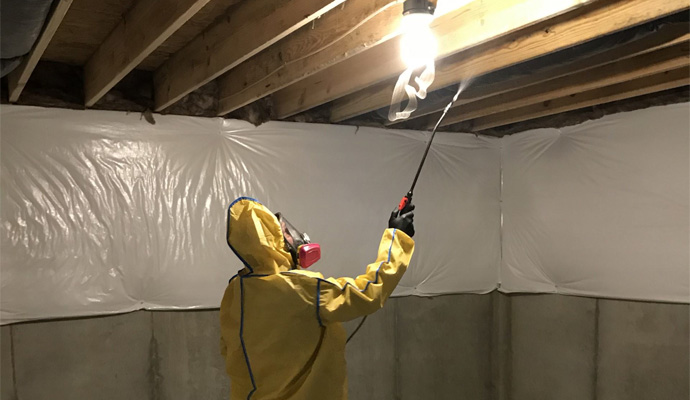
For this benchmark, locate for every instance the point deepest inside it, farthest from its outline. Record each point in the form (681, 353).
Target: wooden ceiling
(520, 59)
(89, 22)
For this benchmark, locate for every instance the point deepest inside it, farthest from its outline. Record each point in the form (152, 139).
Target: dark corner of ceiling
(257, 112)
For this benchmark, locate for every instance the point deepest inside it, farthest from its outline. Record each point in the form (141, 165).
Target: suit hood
(254, 235)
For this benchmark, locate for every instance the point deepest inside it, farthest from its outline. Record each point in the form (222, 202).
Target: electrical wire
(364, 318)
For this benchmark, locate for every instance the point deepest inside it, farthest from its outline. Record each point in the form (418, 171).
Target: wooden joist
(145, 27)
(251, 27)
(620, 71)
(471, 25)
(337, 36)
(636, 87)
(17, 79)
(602, 18)
(668, 35)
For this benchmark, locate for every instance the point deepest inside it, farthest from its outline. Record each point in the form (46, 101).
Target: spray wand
(408, 197)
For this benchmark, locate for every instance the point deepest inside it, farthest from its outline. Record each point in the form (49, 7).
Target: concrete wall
(553, 347)
(186, 356)
(566, 347)
(423, 348)
(448, 347)
(7, 391)
(141, 355)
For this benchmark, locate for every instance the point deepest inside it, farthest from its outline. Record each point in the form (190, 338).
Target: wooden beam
(17, 79)
(602, 18)
(667, 36)
(610, 74)
(468, 26)
(251, 27)
(145, 27)
(337, 36)
(637, 87)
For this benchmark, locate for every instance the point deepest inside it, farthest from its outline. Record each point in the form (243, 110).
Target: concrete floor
(498, 347)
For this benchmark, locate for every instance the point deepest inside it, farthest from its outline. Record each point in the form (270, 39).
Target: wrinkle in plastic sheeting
(600, 209)
(104, 213)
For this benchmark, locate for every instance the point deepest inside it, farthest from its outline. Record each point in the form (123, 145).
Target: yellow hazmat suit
(280, 328)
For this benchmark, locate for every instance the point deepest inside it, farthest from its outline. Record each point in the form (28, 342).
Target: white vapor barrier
(600, 209)
(103, 212)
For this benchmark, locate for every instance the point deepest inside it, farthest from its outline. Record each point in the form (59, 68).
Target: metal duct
(21, 22)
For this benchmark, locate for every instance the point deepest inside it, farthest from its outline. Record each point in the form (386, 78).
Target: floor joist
(637, 87)
(18, 78)
(620, 71)
(667, 35)
(145, 27)
(469, 26)
(250, 28)
(340, 34)
(602, 18)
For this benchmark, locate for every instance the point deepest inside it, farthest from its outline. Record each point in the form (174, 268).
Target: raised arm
(344, 299)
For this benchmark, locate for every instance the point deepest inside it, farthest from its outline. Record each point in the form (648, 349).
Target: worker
(281, 332)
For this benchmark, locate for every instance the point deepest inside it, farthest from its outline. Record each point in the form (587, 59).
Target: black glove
(403, 220)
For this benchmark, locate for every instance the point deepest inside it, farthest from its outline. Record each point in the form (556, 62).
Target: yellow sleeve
(344, 299)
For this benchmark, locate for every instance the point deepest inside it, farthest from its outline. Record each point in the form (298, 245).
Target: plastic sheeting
(600, 209)
(103, 212)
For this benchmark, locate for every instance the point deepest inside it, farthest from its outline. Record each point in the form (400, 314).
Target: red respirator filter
(309, 254)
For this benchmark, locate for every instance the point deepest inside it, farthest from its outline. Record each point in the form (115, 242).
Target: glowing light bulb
(418, 44)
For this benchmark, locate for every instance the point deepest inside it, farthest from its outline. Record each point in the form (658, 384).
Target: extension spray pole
(408, 197)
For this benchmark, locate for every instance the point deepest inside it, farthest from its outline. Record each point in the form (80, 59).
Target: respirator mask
(304, 252)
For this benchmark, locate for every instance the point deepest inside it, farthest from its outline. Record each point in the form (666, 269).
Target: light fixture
(418, 44)
(418, 51)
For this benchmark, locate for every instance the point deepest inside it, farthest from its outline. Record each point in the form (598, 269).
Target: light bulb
(418, 44)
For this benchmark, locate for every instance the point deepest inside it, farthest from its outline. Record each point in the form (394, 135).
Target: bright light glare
(418, 44)
(446, 6)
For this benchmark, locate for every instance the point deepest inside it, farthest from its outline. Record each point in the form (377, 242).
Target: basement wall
(498, 347)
